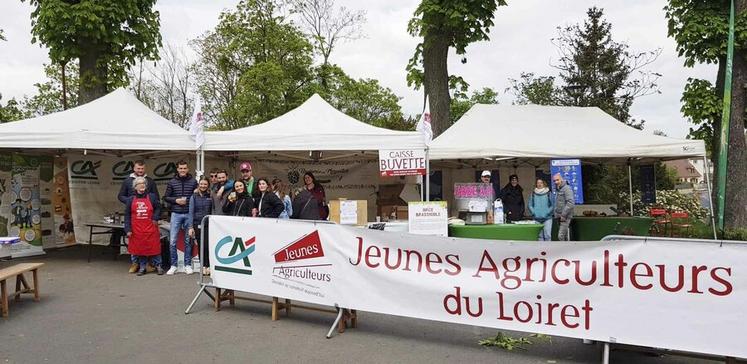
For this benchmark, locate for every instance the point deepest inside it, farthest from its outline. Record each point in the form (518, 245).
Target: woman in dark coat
(305, 206)
(200, 205)
(268, 203)
(513, 199)
(238, 203)
(317, 191)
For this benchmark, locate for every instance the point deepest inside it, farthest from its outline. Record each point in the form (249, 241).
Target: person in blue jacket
(540, 207)
(200, 205)
(178, 193)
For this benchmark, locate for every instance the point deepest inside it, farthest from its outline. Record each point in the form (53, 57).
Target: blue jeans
(546, 233)
(143, 260)
(179, 222)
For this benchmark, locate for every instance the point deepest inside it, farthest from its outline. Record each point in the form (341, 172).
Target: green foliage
(48, 97)
(701, 106)
(604, 183)
(735, 234)
(116, 33)
(459, 22)
(509, 343)
(460, 103)
(600, 69)
(257, 65)
(11, 111)
(701, 29)
(671, 200)
(537, 90)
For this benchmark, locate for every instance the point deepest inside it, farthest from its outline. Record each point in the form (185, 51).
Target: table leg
(90, 242)
(18, 287)
(36, 285)
(4, 298)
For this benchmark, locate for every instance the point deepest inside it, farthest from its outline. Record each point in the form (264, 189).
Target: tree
(700, 29)
(444, 24)
(537, 90)
(50, 95)
(599, 71)
(106, 37)
(265, 59)
(12, 111)
(328, 27)
(460, 104)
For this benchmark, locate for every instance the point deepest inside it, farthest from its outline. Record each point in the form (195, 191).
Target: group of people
(190, 200)
(543, 207)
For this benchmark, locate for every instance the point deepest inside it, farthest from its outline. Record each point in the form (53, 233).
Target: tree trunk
(63, 65)
(436, 80)
(735, 214)
(92, 77)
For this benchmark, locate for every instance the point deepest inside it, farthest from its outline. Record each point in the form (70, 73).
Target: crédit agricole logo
(240, 251)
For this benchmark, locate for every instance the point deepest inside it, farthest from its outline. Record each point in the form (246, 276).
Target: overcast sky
(520, 42)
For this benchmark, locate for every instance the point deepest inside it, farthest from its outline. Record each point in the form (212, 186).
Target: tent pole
(427, 176)
(630, 187)
(710, 195)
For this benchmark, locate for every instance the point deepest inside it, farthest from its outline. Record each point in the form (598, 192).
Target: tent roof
(313, 125)
(534, 131)
(117, 121)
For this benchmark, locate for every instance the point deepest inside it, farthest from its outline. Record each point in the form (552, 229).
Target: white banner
(402, 162)
(675, 295)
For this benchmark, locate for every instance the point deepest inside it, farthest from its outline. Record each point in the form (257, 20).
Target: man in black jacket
(178, 191)
(125, 192)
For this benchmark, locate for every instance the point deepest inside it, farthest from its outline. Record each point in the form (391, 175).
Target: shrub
(668, 199)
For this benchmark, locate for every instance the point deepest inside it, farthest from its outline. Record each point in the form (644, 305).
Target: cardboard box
(361, 211)
(385, 212)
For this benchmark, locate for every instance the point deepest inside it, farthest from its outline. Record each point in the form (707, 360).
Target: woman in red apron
(142, 212)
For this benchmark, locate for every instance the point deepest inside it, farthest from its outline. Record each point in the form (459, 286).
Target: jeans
(179, 222)
(154, 260)
(564, 230)
(546, 233)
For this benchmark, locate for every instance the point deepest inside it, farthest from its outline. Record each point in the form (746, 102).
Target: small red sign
(307, 247)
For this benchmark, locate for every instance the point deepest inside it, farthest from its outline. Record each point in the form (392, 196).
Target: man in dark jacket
(513, 199)
(178, 191)
(125, 192)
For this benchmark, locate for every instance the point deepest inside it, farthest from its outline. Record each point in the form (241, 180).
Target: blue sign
(570, 170)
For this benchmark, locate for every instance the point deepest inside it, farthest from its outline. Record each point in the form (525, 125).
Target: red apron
(145, 239)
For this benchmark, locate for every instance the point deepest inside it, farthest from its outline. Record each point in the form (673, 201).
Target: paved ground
(98, 313)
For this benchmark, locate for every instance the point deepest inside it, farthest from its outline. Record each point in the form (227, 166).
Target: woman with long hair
(238, 202)
(540, 207)
(317, 191)
(282, 190)
(268, 204)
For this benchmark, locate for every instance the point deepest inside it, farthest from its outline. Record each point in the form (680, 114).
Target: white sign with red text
(676, 295)
(402, 162)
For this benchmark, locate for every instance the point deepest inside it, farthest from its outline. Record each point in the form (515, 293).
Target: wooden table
(109, 229)
(525, 232)
(22, 286)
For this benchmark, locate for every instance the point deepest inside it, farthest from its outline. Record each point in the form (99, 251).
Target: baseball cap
(245, 166)
(485, 173)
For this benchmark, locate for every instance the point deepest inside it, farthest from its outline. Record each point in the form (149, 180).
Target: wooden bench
(22, 286)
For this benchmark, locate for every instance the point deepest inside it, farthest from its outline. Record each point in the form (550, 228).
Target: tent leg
(710, 195)
(427, 176)
(630, 187)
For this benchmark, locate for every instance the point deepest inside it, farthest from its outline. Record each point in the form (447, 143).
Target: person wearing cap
(513, 199)
(246, 175)
(486, 177)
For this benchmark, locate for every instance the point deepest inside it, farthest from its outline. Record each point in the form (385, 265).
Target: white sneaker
(188, 270)
(171, 271)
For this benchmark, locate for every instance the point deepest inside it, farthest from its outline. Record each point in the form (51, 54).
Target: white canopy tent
(534, 131)
(117, 121)
(314, 125)
(510, 132)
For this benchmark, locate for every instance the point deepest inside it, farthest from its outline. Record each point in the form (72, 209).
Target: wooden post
(4, 298)
(218, 298)
(287, 307)
(274, 309)
(36, 285)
